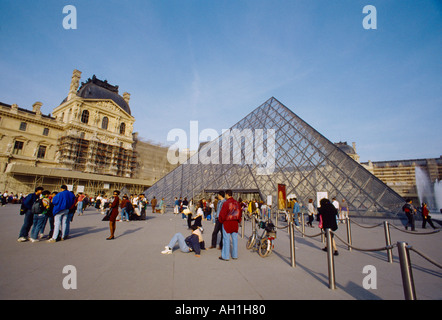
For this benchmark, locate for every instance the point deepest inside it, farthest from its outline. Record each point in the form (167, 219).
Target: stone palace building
(87, 143)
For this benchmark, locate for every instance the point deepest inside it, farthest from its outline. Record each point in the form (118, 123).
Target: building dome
(98, 89)
(345, 147)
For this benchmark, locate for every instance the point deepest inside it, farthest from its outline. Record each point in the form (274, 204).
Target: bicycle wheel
(250, 242)
(265, 247)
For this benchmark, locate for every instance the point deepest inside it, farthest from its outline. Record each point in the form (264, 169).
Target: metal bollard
(349, 241)
(406, 271)
(243, 225)
(292, 244)
(277, 218)
(330, 260)
(253, 225)
(303, 224)
(388, 241)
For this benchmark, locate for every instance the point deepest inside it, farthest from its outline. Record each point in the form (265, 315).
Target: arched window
(85, 116)
(122, 128)
(105, 123)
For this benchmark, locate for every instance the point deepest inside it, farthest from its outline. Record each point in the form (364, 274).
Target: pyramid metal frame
(304, 160)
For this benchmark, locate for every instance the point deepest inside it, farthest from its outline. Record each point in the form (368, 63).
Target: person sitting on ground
(199, 215)
(194, 242)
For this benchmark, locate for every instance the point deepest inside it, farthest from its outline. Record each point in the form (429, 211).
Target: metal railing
(327, 236)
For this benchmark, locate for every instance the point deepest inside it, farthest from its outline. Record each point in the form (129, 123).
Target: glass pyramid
(272, 146)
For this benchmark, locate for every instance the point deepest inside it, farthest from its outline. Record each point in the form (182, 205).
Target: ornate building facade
(98, 129)
(88, 143)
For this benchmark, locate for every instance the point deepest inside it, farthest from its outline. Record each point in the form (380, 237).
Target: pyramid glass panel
(272, 146)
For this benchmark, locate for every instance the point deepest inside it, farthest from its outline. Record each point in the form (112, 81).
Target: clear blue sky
(216, 60)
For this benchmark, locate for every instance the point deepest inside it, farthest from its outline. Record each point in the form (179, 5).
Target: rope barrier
(403, 249)
(360, 249)
(425, 257)
(396, 227)
(310, 236)
(414, 232)
(367, 227)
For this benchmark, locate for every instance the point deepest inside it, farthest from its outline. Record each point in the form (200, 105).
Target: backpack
(234, 213)
(37, 207)
(129, 207)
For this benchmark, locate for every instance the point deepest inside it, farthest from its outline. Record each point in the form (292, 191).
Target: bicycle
(264, 242)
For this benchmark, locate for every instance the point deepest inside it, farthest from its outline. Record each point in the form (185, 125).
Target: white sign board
(319, 196)
(269, 200)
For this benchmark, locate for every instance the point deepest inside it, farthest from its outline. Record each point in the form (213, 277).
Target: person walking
(26, 210)
(80, 204)
(230, 216)
(344, 211)
(296, 211)
(218, 225)
(175, 206)
(113, 214)
(329, 214)
(410, 212)
(426, 217)
(154, 204)
(62, 202)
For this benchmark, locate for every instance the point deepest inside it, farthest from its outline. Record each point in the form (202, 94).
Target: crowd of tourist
(225, 212)
(218, 211)
(57, 209)
(43, 207)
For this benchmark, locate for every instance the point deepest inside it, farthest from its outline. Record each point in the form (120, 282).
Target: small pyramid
(272, 146)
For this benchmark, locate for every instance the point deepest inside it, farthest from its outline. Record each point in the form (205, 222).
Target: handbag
(107, 216)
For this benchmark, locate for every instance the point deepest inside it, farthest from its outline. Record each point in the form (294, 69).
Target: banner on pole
(282, 201)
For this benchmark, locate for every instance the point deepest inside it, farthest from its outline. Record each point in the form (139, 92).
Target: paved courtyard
(132, 267)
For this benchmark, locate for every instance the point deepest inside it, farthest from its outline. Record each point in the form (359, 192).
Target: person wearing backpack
(40, 209)
(62, 202)
(26, 210)
(230, 216)
(410, 212)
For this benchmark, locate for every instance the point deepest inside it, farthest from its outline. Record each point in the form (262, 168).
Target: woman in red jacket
(114, 213)
(426, 216)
